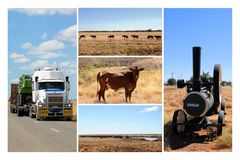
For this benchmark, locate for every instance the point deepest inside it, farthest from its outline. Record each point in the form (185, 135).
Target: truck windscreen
(51, 85)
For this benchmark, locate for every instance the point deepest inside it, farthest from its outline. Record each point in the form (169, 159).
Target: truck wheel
(68, 118)
(31, 114)
(26, 114)
(19, 113)
(38, 118)
(179, 116)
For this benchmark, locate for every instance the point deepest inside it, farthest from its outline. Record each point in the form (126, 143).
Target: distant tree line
(205, 78)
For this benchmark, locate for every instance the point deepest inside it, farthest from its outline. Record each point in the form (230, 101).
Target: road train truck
(50, 95)
(21, 96)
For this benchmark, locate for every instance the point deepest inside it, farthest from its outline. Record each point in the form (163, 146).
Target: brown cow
(115, 81)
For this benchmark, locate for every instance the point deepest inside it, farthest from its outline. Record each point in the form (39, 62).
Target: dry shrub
(224, 141)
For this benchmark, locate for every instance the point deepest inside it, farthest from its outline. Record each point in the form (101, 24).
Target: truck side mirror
(67, 79)
(68, 84)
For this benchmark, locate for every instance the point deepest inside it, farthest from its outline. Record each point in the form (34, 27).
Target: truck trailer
(21, 96)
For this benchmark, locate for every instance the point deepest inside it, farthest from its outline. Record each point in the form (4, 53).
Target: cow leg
(126, 95)
(99, 95)
(103, 95)
(129, 96)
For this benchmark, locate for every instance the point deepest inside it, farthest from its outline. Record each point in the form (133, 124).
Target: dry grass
(148, 90)
(172, 101)
(117, 145)
(118, 46)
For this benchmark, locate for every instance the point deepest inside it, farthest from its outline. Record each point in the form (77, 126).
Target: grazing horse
(93, 36)
(135, 36)
(125, 36)
(82, 36)
(149, 37)
(111, 36)
(127, 80)
(158, 37)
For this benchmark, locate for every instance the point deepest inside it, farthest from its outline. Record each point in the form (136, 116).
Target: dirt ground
(199, 141)
(119, 46)
(118, 145)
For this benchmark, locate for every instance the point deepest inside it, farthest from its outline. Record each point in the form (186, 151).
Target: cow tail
(98, 78)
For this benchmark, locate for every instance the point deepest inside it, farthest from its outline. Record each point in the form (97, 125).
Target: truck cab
(50, 94)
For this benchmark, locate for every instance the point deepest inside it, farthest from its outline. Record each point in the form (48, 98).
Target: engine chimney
(196, 68)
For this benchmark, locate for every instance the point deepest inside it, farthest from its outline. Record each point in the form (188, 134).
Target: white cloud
(46, 11)
(51, 45)
(26, 45)
(45, 50)
(35, 65)
(149, 109)
(68, 34)
(19, 58)
(50, 55)
(44, 36)
(69, 67)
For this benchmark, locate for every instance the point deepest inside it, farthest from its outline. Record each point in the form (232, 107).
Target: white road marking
(55, 130)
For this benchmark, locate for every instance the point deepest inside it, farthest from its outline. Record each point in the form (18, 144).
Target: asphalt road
(29, 135)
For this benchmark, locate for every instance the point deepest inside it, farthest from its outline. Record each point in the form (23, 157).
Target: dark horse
(111, 36)
(157, 37)
(149, 37)
(125, 36)
(135, 36)
(82, 36)
(93, 36)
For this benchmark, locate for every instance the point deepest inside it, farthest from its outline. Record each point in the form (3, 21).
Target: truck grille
(55, 99)
(55, 102)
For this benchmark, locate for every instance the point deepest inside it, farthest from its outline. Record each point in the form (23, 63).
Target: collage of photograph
(120, 80)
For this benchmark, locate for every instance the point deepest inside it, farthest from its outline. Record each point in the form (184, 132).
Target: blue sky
(120, 119)
(95, 19)
(39, 38)
(209, 28)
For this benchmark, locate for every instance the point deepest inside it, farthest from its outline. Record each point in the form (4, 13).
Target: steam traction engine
(203, 100)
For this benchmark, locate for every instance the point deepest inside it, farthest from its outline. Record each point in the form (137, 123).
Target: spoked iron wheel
(179, 121)
(223, 105)
(220, 122)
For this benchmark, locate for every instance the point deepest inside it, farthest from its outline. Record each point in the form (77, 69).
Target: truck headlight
(68, 105)
(42, 105)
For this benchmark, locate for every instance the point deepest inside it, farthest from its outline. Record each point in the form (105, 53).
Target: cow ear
(131, 69)
(141, 69)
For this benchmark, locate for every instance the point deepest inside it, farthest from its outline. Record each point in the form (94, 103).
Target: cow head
(136, 71)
